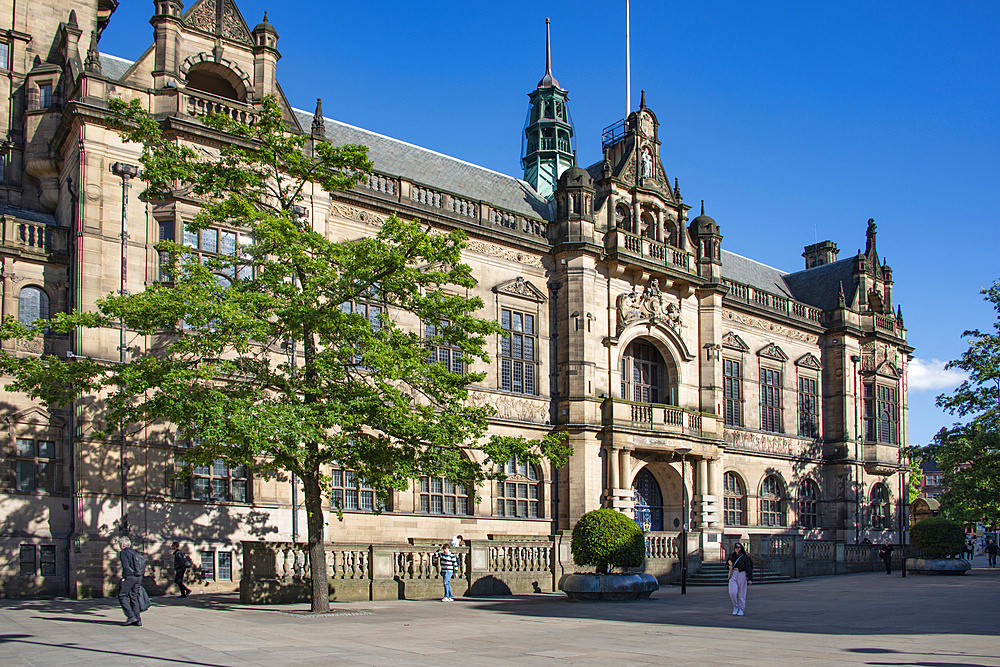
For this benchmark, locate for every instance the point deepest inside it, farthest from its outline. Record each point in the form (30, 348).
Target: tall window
(734, 500)
(41, 562)
(32, 304)
(644, 376)
(166, 234)
(440, 351)
(218, 482)
(350, 492)
(518, 352)
(770, 400)
(442, 496)
(623, 218)
(4, 55)
(881, 413)
(228, 246)
(808, 504)
(35, 465)
(772, 510)
(44, 95)
(808, 408)
(732, 392)
(879, 507)
(520, 494)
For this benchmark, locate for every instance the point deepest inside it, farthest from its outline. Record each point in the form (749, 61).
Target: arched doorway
(648, 501)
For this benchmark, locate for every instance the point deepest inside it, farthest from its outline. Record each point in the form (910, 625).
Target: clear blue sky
(795, 121)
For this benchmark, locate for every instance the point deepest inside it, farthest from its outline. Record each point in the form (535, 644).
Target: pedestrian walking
(182, 563)
(991, 553)
(740, 578)
(970, 547)
(885, 555)
(448, 564)
(131, 595)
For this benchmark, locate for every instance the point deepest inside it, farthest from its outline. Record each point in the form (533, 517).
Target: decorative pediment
(734, 342)
(219, 17)
(522, 289)
(888, 369)
(809, 361)
(772, 351)
(36, 416)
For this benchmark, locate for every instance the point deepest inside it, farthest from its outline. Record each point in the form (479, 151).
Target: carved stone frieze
(514, 408)
(205, 17)
(772, 351)
(734, 342)
(809, 361)
(354, 213)
(651, 304)
(764, 325)
(767, 443)
(504, 253)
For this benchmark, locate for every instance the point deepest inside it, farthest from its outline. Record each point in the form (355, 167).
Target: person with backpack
(182, 563)
(991, 553)
(131, 595)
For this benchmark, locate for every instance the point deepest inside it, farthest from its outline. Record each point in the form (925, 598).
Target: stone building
(780, 397)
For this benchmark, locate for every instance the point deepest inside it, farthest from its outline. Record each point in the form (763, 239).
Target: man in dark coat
(130, 593)
(885, 553)
(181, 564)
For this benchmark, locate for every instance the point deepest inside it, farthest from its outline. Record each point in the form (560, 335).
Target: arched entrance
(648, 501)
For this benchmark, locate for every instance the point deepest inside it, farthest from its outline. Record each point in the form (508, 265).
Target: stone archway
(656, 489)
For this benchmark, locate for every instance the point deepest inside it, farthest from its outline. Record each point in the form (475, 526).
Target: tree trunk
(320, 599)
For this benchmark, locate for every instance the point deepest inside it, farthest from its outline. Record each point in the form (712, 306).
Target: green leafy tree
(969, 453)
(914, 456)
(270, 365)
(607, 539)
(939, 537)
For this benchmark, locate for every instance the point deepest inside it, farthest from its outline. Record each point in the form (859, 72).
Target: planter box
(953, 566)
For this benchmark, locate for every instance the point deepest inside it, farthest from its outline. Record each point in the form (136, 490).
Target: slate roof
(27, 214)
(113, 67)
(820, 286)
(399, 158)
(759, 276)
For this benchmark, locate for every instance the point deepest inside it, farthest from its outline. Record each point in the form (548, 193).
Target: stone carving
(512, 407)
(647, 164)
(652, 304)
(808, 360)
(33, 346)
(359, 214)
(205, 17)
(764, 325)
(772, 351)
(734, 342)
(520, 287)
(766, 443)
(504, 253)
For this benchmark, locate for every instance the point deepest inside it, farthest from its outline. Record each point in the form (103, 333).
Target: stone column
(613, 473)
(624, 468)
(708, 499)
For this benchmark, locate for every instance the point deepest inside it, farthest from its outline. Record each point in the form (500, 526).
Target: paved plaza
(862, 619)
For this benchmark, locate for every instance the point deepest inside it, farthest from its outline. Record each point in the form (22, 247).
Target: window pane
(190, 238)
(25, 447)
(200, 490)
(239, 491)
(27, 559)
(25, 476)
(505, 319)
(225, 566)
(367, 500)
(449, 486)
(220, 489)
(228, 243)
(208, 565)
(449, 504)
(516, 322)
(47, 560)
(210, 240)
(436, 503)
(219, 468)
(351, 499)
(436, 484)
(46, 477)
(529, 324)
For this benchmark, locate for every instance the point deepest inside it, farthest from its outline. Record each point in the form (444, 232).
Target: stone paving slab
(863, 619)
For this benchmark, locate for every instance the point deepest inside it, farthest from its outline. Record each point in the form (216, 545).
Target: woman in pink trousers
(740, 577)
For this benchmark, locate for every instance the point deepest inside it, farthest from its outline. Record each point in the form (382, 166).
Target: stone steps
(716, 573)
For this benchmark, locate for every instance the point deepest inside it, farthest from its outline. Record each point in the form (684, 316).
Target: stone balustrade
(632, 245)
(795, 556)
(657, 417)
(772, 302)
(22, 236)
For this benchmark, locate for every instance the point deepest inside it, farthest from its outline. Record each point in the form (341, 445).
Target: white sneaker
(739, 612)
(445, 599)
(736, 611)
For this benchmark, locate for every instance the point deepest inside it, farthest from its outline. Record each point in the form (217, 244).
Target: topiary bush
(938, 537)
(608, 539)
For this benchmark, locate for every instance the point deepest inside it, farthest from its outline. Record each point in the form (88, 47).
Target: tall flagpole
(628, 63)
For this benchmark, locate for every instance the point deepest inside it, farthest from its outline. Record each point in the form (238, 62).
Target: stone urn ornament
(606, 539)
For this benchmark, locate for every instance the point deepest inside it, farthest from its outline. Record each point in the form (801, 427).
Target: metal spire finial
(548, 81)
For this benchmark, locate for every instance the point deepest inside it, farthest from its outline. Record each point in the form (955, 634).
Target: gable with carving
(219, 17)
(809, 361)
(772, 351)
(734, 342)
(522, 289)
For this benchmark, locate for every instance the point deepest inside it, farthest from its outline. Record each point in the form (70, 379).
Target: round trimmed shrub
(938, 537)
(607, 539)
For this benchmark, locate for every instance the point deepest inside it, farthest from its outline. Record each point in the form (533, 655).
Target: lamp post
(683, 451)
(126, 172)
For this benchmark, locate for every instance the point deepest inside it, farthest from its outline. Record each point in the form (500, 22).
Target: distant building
(626, 324)
(932, 484)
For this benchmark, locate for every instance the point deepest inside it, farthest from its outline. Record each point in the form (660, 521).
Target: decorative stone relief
(204, 17)
(521, 288)
(764, 325)
(504, 253)
(765, 443)
(809, 361)
(513, 408)
(772, 351)
(734, 342)
(652, 304)
(359, 214)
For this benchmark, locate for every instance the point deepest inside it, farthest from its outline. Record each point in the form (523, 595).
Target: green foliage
(607, 539)
(969, 453)
(938, 537)
(913, 457)
(273, 369)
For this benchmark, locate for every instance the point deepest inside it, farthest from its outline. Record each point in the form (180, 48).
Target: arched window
(623, 218)
(772, 508)
(216, 79)
(648, 501)
(32, 304)
(808, 504)
(734, 500)
(646, 378)
(648, 226)
(442, 496)
(879, 507)
(520, 494)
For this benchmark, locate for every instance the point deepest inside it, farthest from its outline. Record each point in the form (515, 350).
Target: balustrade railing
(379, 183)
(819, 550)
(653, 416)
(520, 558)
(650, 249)
(464, 207)
(426, 196)
(772, 302)
(204, 104)
(662, 545)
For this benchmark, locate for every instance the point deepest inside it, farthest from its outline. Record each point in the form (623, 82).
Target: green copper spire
(548, 149)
